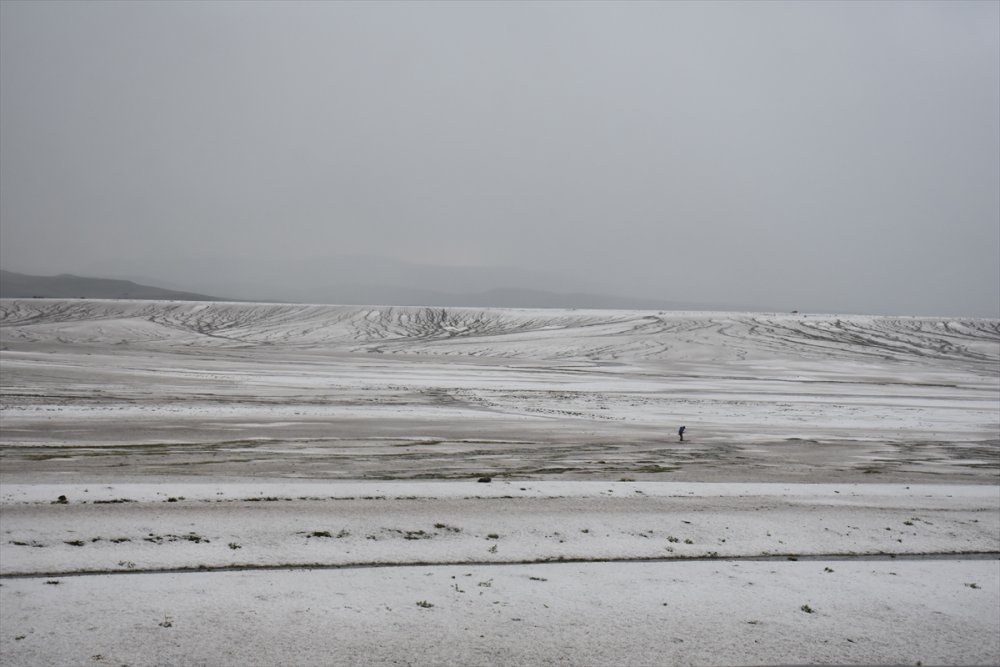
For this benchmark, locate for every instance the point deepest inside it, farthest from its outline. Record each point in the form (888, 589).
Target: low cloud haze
(821, 156)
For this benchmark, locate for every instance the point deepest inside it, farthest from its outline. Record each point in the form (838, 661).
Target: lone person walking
(680, 432)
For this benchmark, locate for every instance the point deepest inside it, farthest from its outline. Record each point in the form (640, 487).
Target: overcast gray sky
(827, 156)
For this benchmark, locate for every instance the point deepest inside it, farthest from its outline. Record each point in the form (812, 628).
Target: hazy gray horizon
(838, 157)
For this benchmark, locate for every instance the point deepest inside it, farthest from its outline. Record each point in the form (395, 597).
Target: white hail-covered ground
(255, 484)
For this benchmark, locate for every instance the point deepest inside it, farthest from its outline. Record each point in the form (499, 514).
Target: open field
(282, 484)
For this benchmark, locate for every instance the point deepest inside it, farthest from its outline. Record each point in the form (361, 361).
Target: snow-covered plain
(221, 464)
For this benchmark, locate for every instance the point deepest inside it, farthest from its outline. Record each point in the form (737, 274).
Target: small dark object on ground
(61, 501)
(485, 480)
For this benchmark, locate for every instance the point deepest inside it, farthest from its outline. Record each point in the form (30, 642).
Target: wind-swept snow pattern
(346, 392)
(505, 333)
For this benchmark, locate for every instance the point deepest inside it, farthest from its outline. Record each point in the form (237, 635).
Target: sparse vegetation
(32, 543)
(424, 604)
(416, 535)
(190, 537)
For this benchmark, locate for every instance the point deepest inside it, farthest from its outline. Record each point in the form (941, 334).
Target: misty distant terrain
(67, 286)
(338, 280)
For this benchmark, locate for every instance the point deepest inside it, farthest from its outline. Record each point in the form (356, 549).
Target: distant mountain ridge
(67, 286)
(377, 280)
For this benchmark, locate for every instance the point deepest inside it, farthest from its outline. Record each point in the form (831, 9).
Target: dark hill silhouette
(67, 286)
(322, 290)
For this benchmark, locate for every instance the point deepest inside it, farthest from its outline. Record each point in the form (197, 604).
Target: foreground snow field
(234, 484)
(695, 613)
(148, 527)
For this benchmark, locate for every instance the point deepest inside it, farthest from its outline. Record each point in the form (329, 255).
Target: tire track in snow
(788, 557)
